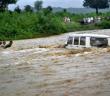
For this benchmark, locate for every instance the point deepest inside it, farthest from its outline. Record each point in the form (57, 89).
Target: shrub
(105, 24)
(25, 25)
(49, 25)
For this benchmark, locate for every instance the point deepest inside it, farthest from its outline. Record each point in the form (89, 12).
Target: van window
(76, 40)
(98, 42)
(70, 40)
(82, 40)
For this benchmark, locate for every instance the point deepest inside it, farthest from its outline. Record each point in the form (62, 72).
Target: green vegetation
(4, 4)
(40, 22)
(104, 24)
(23, 25)
(29, 25)
(38, 5)
(96, 4)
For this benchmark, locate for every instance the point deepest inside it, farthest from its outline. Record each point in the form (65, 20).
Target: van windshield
(98, 42)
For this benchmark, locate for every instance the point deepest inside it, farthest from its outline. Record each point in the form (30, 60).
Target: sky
(53, 3)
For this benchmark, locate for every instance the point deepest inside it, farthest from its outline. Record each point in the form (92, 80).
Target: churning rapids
(40, 67)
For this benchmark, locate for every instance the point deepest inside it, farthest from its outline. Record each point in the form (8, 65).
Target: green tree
(64, 10)
(28, 8)
(96, 4)
(38, 5)
(4, 4)
(17, 9)
(47, 10)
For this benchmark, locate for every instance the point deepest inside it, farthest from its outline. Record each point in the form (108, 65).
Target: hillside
(79, 10)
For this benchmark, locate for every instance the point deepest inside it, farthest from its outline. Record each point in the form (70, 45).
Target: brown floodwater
(51, 71)
(54, 72)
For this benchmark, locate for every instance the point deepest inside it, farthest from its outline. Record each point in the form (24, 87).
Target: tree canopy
(17, 9)
(47, 10)
(96, 4)
(28, 8)
(4, 4)
(38, 5)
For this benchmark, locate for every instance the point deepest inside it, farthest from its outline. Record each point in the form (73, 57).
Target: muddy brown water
(51, 71)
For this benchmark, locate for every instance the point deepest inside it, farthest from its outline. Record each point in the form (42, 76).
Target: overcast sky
(53, 3)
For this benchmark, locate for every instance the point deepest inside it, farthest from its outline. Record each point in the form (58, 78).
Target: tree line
(96, 4)
(29, 8)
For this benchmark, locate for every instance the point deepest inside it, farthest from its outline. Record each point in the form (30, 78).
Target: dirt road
(27, 70)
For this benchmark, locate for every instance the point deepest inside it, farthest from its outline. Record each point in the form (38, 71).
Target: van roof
(89, 35)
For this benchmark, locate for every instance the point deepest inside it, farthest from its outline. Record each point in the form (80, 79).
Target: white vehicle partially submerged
(87, 41)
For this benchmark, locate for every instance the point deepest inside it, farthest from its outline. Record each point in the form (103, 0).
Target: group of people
(87, 20)
(67, 19)
(90, 20)
(4, 45)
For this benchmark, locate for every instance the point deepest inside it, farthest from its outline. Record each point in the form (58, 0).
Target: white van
(87, 41)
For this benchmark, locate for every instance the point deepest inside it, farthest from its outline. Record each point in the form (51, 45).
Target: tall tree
(4, 4)
(17, 9)
(96, 4)
(47, 10)
(64, 10)
(38, 5)
(28, 8)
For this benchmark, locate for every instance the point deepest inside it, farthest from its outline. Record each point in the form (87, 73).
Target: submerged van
(87, 41)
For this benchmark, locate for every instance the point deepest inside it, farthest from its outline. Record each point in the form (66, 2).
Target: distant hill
(79, 10)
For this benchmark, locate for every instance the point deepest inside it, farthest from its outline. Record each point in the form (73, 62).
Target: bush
(17, 26)
(27, 25)
(50, 25)
(104, 25)
(73, 26)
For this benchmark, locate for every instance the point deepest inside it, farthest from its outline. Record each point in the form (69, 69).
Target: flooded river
(54, 72)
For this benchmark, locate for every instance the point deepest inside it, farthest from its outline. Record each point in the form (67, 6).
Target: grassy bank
(27, 25)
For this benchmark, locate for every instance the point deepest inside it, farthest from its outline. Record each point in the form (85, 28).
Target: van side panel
(88, 42)
(108, 41)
